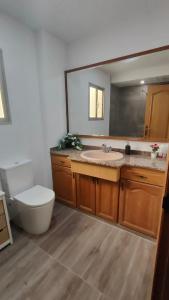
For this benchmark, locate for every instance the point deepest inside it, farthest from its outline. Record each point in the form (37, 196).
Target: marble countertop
(133, 160)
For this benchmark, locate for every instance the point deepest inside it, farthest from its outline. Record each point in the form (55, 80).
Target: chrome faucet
(106, 148)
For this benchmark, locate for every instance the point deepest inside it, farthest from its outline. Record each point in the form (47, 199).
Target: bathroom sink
(100, 155)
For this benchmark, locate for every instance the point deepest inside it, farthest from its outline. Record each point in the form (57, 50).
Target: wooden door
(86, 193)
(140, 206)
(64, 184)
(107, 199)
(157, 112)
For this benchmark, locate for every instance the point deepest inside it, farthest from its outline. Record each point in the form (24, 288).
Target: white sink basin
(100, 155)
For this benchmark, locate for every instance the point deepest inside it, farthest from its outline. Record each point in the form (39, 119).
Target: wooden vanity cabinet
(140, 203)
(97, 196)
(63, 180)
(137, 204)
(5, 228)
(86, 193)
(107, 199)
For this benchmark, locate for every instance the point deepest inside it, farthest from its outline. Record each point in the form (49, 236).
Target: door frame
(160, 290)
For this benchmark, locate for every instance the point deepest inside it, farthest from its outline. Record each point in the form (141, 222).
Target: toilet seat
(35, 196)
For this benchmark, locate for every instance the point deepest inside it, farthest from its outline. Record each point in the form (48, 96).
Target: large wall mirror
(123, 98)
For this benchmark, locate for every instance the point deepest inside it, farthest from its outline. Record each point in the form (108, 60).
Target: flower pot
(153, 155)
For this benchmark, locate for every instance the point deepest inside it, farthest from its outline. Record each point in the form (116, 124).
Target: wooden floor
(80, 258)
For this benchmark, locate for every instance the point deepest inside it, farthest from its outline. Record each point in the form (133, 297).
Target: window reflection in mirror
(4, 109)
(2, 114)
(96, 102)
(132, 101)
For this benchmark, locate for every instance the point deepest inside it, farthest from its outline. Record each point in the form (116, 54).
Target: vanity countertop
(134, 160)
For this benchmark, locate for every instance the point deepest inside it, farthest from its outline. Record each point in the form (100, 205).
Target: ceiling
(75, 19)
(151, 68)
(136, 63)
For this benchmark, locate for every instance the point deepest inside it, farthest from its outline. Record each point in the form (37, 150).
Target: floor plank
(80, 257)
(58, 283)
(121, 261)
(18, 263)
(74, 237)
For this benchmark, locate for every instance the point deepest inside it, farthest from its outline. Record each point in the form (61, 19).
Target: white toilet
(30, 206)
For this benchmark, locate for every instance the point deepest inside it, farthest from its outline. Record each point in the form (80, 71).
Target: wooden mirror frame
(142, 53)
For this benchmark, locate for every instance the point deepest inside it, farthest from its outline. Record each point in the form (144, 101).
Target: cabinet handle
(73, 175)
(95, 180)
(146, 130)
(141, 176)
(122, 185)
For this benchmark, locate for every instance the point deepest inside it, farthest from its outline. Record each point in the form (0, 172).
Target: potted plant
(155, 148)
(70, 141)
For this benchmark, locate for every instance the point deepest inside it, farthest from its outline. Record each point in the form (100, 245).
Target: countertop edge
(104, 164)
(118, 167)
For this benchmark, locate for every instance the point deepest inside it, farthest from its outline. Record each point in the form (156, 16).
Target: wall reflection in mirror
(128, 98)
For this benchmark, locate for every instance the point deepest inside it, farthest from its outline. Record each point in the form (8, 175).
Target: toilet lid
(36, 196)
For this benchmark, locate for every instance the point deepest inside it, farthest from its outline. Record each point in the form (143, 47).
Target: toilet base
(33, 220)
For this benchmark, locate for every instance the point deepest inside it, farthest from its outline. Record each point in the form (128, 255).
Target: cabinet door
(86, 193)
(107, 199)
(64, 184)
(140, 206)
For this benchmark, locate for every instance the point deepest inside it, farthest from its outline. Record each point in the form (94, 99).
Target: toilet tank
(16, 177)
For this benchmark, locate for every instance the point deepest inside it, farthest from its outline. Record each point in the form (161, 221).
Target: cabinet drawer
(1, 207)
(107, 173)
(4, 235)
(144, 175)
(61, 169)
(61, 160)
(2, 221)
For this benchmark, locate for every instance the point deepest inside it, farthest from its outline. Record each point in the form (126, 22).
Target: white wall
(51, 55)
(120, 144)
(23, 138)
(78, 93)
(34, 67)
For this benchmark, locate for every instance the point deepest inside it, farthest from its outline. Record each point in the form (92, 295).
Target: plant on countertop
(155, 148)
(70, 141)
